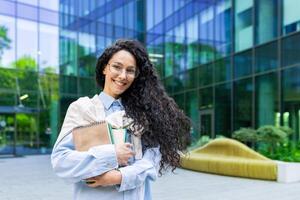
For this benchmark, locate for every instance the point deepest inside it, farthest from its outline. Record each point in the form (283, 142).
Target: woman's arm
(132, 176)
(135, 175)
(74, 166)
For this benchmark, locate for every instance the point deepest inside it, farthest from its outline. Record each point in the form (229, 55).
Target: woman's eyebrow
(116, 62)
(131, 66)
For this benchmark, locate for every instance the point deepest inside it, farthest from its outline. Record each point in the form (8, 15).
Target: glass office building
(227, 63)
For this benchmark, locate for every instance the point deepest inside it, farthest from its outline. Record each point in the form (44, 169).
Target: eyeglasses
(117, 70)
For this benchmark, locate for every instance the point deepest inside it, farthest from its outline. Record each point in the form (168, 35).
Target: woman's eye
(130, 71)
(117, 67)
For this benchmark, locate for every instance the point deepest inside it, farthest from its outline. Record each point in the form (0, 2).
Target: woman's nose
(123, 74)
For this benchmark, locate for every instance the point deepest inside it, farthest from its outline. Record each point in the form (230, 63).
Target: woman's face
(119, 73)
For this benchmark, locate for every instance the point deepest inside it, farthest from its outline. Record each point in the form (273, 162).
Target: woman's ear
(104, 71)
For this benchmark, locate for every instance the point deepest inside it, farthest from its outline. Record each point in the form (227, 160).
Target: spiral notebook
(98, 133)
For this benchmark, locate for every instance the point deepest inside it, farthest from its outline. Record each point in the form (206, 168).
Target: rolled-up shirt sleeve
(74, 166)
(147, 168)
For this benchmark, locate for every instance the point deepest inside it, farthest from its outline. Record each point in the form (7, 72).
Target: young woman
(161, 130)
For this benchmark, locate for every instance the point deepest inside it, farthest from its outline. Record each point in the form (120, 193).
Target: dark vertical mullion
(123, 26)
(198, 75)
(279, 49)
(141, 20)
(106, 24)
(38, 75)
(173, 38)
(232, 117)
(255, 4)
(77, 15)
(16, 94)
(164, 40)
(185, 42)
(213, 70)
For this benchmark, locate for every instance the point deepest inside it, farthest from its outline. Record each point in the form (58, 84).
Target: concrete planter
(288, 172)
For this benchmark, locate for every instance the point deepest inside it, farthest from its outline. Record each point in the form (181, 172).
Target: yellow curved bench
(230, 157)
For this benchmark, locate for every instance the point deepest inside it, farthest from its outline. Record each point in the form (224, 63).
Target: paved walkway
(31, 178)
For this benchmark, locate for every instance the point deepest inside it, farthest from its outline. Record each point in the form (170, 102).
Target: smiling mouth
(118, 83)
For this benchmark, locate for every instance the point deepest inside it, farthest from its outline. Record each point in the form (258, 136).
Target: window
(290, 50)
(243, 64)
(242, 105)
(266, 20)
(223, 110)
(222, 70)
(291, 99)
(243, 24)
(266, 57)
(266, 99)
(291, 16)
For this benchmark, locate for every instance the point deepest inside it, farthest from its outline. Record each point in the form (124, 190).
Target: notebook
(98, 133)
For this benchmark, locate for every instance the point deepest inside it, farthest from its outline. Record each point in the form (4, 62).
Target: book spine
(110, 133)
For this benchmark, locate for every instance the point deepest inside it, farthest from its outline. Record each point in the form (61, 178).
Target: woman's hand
(124, 152)
(109, 178)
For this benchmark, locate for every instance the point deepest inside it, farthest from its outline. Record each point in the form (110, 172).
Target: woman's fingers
(107, 179)
(128, 145)
(124, 153)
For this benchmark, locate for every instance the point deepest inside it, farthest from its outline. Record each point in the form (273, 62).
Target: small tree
(271, 135)
(246, 135)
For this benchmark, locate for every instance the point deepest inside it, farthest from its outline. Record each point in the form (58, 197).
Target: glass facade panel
(30, 2)
(191, 80)
(27, 12)
(7, 8)
(222, 70)
(191, 108)
(52, 5)
(223, 109)
(223, 22)
(290, 50)
(179, 81)
(26, 80)
(291, 16)
(242, 103)
(48, 48)
(169, 84)
(193, 55)
(8, 42)
(206, 36)
(68, 52)
(243, 28)
(87, 86)
(169, 57)
(266, 27)
(179, 55)
(7, 98)
(49, 17)
(27, 50)
(205, 74)
(291, 99)
(266, 57)
(205, 98)
(243, 64)
(68, 84)
(266, 99)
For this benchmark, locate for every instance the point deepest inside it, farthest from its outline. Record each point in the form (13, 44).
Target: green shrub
(247, 136)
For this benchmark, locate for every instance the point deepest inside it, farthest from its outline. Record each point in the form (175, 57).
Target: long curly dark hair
(147, 103)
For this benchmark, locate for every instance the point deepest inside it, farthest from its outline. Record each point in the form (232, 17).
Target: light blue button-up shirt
(74, 166)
